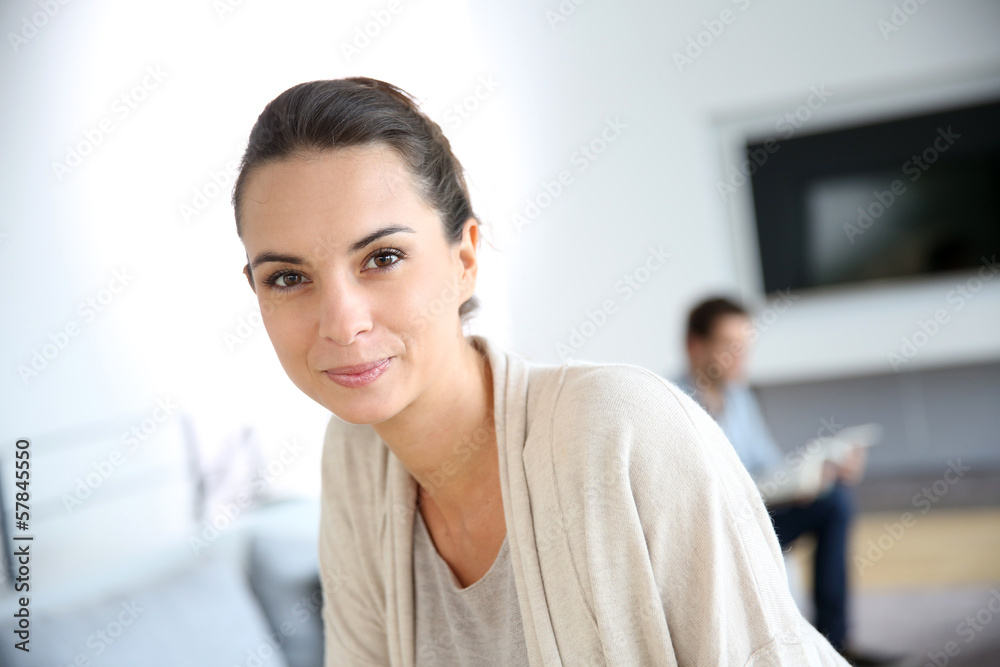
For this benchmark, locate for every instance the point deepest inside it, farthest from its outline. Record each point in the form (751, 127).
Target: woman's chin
(359, 412)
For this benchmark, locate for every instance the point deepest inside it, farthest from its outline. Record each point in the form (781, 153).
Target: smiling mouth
(359, 376)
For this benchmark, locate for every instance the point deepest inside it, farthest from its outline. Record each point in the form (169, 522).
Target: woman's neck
(447, 439)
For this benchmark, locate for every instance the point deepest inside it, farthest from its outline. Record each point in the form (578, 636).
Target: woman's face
(351, 268)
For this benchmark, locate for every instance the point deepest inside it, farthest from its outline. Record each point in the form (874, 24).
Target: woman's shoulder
(628, 411)
(353, 457)
(340, 437)
(619, 390)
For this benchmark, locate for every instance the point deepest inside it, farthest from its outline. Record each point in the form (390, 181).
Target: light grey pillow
(205, 616)
(284, 573)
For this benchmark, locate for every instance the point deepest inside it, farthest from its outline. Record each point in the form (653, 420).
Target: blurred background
(834, 166)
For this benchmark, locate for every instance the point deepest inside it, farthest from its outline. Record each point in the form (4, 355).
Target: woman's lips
(358, 376)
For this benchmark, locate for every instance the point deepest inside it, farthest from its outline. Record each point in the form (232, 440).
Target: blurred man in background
(719, 334)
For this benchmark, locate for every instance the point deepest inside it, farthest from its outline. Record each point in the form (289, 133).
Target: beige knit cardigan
(636, 536)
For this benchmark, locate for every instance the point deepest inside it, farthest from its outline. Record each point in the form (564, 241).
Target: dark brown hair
(703, 317)
(358, 111)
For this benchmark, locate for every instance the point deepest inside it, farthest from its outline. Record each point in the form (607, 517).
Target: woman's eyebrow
(270, 256)
(374, 236)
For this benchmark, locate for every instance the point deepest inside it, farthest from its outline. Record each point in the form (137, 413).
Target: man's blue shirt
(743, 423)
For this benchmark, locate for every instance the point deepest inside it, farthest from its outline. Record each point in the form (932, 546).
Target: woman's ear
(467, 255)
(249, 274)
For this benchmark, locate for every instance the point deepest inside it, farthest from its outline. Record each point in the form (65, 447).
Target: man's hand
(852, 468)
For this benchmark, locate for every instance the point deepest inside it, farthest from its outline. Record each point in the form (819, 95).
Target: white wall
(181, 325)
(553, 89)
(656, 184)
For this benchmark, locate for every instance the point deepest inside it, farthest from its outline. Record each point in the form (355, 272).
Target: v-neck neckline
(455, 583)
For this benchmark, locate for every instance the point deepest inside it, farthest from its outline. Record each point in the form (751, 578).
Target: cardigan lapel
(510, 404)
(510, 398)
(397, 553)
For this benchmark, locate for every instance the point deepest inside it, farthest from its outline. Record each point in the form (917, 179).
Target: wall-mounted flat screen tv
(908, 197)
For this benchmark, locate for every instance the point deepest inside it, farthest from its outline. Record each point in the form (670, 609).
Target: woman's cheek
(407, 312)
(439, 301)
(288, 336)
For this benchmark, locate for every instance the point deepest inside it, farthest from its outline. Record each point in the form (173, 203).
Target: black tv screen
(908, 197)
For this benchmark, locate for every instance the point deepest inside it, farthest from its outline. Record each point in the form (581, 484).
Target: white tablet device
(804, 478)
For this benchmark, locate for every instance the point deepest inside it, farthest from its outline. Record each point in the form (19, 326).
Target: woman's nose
(344, 311)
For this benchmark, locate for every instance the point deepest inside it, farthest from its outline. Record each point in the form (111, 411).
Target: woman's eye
(288, 280)
(383, 259)
(285, 280)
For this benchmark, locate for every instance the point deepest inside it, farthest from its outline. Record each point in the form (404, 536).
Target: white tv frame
(801, 342)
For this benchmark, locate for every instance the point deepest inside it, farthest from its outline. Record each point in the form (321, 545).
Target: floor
(924, 584)
(943, 547)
